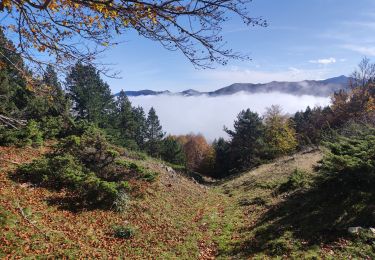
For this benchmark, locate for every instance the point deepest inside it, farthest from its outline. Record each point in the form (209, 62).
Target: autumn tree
(280, 136)
(75, 30)
(197, 150)
(357, 104)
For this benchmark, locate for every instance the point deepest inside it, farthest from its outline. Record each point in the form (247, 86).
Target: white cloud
(208, 115)
(324, 61)
(362, 49)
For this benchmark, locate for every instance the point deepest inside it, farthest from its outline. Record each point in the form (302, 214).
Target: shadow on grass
(61, 198)
(319, 215)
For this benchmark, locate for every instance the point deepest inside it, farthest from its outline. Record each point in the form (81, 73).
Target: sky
(314, 39)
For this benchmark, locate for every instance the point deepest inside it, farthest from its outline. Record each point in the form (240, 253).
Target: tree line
(52, 112)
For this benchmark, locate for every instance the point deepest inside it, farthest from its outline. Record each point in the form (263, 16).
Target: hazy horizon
(208, 115)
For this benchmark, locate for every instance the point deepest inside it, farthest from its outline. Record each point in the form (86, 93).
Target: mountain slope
(168, 217)
(323, 88)
(257, 214)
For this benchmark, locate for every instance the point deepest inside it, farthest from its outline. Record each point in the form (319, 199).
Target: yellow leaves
(53, 6)
(2, 64)
(42, 48)
(7, 4)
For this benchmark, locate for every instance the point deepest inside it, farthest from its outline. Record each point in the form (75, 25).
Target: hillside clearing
(175, 217)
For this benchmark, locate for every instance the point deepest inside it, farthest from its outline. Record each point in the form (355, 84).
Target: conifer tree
(141, 127)
(171, 151)
(126, 122)
(247, 140)
(13, 92)
(154, 133)
(91, 96)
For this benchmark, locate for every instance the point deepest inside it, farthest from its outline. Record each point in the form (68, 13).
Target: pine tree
(141, 127)
(59, 102)
(222, 155)
(53, 102)
(13, 93)
(247, 140)
(171, 151)
(126, 122)
(91, 96)
(154, 133)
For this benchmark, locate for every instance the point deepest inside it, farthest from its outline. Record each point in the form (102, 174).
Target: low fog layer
(208, 115)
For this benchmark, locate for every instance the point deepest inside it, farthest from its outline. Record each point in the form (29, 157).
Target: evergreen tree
(91, 96)
(141, 126)
(53, 102)
(171, 151)
(13, 93)
(247, 140)
(222, 155)
(60, 104)
(154, 133)
(126, 122)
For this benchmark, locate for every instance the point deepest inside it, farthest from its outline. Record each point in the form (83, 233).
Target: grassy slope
(175, 218)
(297, 224)
(170, 218)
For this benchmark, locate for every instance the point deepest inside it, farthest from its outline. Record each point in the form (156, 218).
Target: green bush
(52, 127)
(298, 179)
(138, 170)
(123, 232)
(351, 158)
(82, 165)
(91, 149)
(30, 135)
(65, 171)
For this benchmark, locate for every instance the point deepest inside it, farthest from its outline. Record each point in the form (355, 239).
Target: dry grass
(168, 217)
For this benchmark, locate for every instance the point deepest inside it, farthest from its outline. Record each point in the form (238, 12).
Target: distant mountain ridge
(322, 88)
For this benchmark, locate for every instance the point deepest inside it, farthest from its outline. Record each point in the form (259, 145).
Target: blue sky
(313, 39)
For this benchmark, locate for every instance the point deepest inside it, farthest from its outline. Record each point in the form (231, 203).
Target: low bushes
(88, 167)
(351, 158)
(297, 180)
(30, 135)
(123, 232)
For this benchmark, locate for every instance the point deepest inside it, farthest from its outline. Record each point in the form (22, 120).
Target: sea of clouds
(208, 115)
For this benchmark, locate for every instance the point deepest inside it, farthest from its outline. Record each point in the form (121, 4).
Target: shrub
(30, 135)
(121, 203)
(91, 149)
(351, 158)
(298, 179)
(123, 232)
(82, 166)
(65, 171)
(137, 170)
(52, 127)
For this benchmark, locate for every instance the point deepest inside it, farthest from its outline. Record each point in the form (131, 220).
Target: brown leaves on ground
(166, 216)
